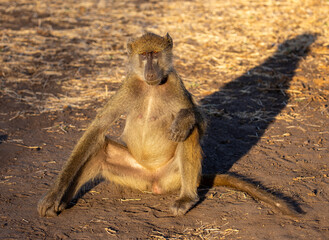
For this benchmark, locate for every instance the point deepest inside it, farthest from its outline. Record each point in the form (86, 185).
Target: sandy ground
(259, 69)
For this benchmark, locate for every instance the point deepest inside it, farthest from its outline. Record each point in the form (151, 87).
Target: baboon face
(149, 62)
(151, 57)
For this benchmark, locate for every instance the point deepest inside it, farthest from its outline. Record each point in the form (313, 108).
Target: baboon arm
(189, 155)
(89, 145)
(93, 139)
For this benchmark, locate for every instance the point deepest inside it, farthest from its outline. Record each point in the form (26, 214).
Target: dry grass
(59, 53)
(204, 231)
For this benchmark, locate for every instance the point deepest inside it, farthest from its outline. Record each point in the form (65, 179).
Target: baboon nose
(150, 76)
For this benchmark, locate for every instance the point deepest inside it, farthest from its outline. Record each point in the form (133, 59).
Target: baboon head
(150, 57)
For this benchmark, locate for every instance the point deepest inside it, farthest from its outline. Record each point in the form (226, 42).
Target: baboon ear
(130, 46)
(169, 40)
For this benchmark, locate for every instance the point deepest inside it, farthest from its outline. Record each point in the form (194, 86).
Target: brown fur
(162, 151)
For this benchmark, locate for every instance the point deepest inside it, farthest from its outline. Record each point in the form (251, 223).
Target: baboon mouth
(153, 82)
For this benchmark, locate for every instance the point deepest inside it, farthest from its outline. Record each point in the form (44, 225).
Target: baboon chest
(147, 131)
(150, 114)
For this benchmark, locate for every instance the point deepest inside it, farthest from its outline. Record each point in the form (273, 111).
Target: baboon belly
(148, 141)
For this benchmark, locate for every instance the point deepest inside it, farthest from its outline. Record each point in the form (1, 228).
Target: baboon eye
(143, 55)
(155, 54)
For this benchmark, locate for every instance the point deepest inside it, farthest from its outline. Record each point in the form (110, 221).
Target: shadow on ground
(242, 110)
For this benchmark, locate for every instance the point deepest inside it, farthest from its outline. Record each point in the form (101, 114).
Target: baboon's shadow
(242, 110)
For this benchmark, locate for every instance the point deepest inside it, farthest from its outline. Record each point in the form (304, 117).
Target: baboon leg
(50, 205)
(113, 163)
(91, 170)
(189, 155)
(122, 168)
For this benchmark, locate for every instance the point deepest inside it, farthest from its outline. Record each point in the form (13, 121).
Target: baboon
(161, 151)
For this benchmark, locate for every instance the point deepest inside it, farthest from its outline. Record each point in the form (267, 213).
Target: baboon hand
(50, 205)
(182, 126)
(182, 205)
(179, 133)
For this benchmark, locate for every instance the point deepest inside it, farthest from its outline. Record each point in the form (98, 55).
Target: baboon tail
(231, 181)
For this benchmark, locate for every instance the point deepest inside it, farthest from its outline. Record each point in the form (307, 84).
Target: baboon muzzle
(150, 74)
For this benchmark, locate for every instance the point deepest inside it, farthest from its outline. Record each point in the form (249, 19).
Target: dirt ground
(259, 69)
